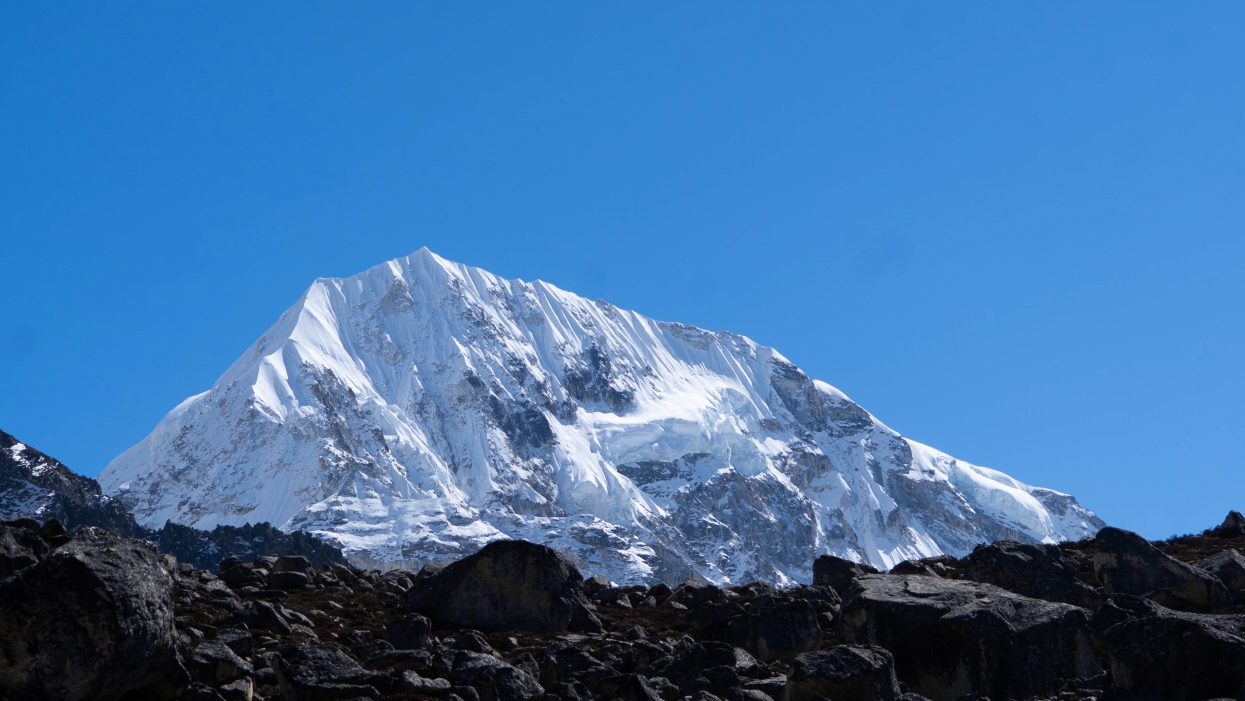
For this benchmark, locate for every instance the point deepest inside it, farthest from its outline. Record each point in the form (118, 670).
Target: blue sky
(1010, 230)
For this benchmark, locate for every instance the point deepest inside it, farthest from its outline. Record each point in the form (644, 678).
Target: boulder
(20, 547)
(857, 672)
(292, 563)
(409, 632)
(1126, 563)
(1233, 525)
(288, 581)
(92, 619)
(628, 687)
(214, 663)
(1159, 653)
(1035, 571)
(831, 571)
(507, 585)
(779, 632)
(492, 678)
(1229, 567)
(691, 669)
(317, 673)
(950, 637)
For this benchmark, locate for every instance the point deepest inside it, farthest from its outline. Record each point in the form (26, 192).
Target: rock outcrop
(1036, 571)
(508, 585)
(858, 672)
(950, 638)
(91, 619)
(1126, 563)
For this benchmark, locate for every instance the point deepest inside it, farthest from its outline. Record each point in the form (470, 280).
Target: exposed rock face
(1128, 564)
(1037, 571)
(1174, 655)
(36, 486)
(91, 619)
(206, 548)
(418, 410)
(317, 673)
(508, 585)
(836, 572)
(950, 638)
(776, 631)
(858, 672)
(1233, 525)
(1229, 567)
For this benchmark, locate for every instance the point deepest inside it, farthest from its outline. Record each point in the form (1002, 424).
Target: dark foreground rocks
(98, 616)
(508, 585)
(90, 619)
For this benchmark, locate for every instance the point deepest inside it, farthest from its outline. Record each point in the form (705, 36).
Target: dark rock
(269, 618)
(565, 664)
(240, 576)
(950, 638)
(776, 633)
(1035, 571)
(628, 687)
(239, 690)
(771, 686)
(1175, 655)
(411, 681)
(214, 663)
(857, 672)
(91, 620)
(1126, 563)
(292, 563)
(472, 641)
(200, 692)
(492, 678)
(238, 640)
(1233, 525)
(317, 673)
(418, 661)
(507, 585)
(20, 547)
(288, 581)
(691, 664)
(596, 583)
(835, 572)
(409, 632)
(913, 567)
(1229, 567)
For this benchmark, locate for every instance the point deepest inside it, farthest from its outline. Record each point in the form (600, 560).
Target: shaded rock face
(950, 638)
(1126, 563)
(36, 486)
(1173, 655)
(858, 672)
(1229, 567)
(777, 632)
(508, 585)
(92, 619)
(831, 571)
(1036, 571)
(318, 673)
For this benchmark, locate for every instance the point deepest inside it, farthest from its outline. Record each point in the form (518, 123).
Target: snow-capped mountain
(422, 408)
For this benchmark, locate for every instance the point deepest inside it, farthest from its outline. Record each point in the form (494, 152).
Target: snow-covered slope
(417, 410)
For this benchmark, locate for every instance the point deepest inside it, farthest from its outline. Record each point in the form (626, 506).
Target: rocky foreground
(96, 615)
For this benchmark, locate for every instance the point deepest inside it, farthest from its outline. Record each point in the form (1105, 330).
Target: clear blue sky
(1010, 230)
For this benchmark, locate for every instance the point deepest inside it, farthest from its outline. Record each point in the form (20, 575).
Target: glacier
(422, 408)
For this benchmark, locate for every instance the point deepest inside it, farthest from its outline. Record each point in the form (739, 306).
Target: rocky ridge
(36, 486)
(517, 621)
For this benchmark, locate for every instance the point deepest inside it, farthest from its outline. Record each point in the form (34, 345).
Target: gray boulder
(492, 678)
(507, 585)
(950, 638)
(317, 673)
(92, 619)
(1035, 571)
(857, 672)
(779, 632)
(1233, 525)
(1159, 653)
(831, 571)
(1229, 567)
(409, 632)
(1127, 563)
(215, 664)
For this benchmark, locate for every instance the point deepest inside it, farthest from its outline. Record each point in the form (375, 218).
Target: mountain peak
(422, 408)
